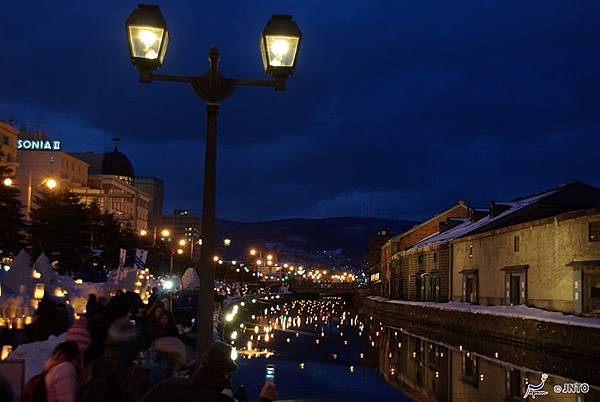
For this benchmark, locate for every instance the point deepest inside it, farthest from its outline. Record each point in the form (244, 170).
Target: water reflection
(432, 371)
(324, 349)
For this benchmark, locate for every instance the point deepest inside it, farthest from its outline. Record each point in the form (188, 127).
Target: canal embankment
(523, 325)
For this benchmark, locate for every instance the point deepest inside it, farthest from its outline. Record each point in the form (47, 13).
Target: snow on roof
(457, 219)
(418, 225)
(467, 227)
(509, 203)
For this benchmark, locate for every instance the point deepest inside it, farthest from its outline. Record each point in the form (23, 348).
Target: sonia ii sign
(38, 144)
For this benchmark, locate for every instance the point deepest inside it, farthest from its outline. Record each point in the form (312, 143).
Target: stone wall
(540, 334)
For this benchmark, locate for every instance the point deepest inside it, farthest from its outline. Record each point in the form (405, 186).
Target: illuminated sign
(375, 277)
(43, 145)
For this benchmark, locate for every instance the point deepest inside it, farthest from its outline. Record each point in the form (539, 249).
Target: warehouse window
(517, 244)
(594, 231)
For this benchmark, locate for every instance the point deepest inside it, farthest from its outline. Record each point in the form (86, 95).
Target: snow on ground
(35, 354)
(524, 312)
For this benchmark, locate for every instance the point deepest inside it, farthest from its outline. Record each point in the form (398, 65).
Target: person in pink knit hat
(79, 334)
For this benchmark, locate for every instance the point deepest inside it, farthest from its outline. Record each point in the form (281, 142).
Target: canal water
(325, 350)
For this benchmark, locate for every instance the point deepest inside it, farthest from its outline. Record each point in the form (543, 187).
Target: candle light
(6, 349)
(38, 292)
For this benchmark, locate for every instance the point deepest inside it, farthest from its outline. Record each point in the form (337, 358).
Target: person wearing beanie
(79, 334)
(115, 370)
(166, 356)
(173, 347)
(209, 380)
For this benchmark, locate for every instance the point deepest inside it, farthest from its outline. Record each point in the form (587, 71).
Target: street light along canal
(148, 39)
(325, 349)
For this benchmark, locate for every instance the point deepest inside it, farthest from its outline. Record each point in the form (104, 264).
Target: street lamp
(165, 233)
(148, 38)
(182, 242)
(7, 182)
(51, 183)
(143, 232)
(252, 251)
(227, 242)
(279, 45)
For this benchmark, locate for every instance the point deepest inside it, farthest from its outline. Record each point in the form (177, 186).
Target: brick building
(374, 258)
(403, 241)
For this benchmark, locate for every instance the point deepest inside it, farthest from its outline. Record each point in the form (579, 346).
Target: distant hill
(329, 241)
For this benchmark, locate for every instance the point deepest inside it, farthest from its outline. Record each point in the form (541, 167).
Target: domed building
(113, 163)
(116, 163)
(112, 172)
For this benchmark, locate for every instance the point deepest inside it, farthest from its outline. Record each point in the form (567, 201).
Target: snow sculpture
(20, 273)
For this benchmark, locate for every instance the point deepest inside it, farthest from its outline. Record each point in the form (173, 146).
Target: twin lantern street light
(148, 38)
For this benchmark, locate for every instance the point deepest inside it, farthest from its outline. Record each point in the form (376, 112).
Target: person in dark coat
(92, 307)
(164, 326)
(153, 297)
(118, 307)
(209, 381)
(47, 321)
(116, 368)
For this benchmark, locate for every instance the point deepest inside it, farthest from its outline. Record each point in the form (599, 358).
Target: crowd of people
(125, 351)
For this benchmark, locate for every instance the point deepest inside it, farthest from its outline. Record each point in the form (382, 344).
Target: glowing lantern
(148, 37)
(38, 292)
(6, 349)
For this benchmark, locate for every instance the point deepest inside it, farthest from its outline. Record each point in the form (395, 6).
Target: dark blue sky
(405, 106)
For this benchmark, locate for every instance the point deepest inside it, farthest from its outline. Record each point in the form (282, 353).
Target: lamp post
(179, 251)
(49, 182)
(148, 39)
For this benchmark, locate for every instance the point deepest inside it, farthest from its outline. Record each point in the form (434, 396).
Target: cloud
(404, 106)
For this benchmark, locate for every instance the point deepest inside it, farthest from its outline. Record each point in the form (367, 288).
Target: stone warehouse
(551, 263)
